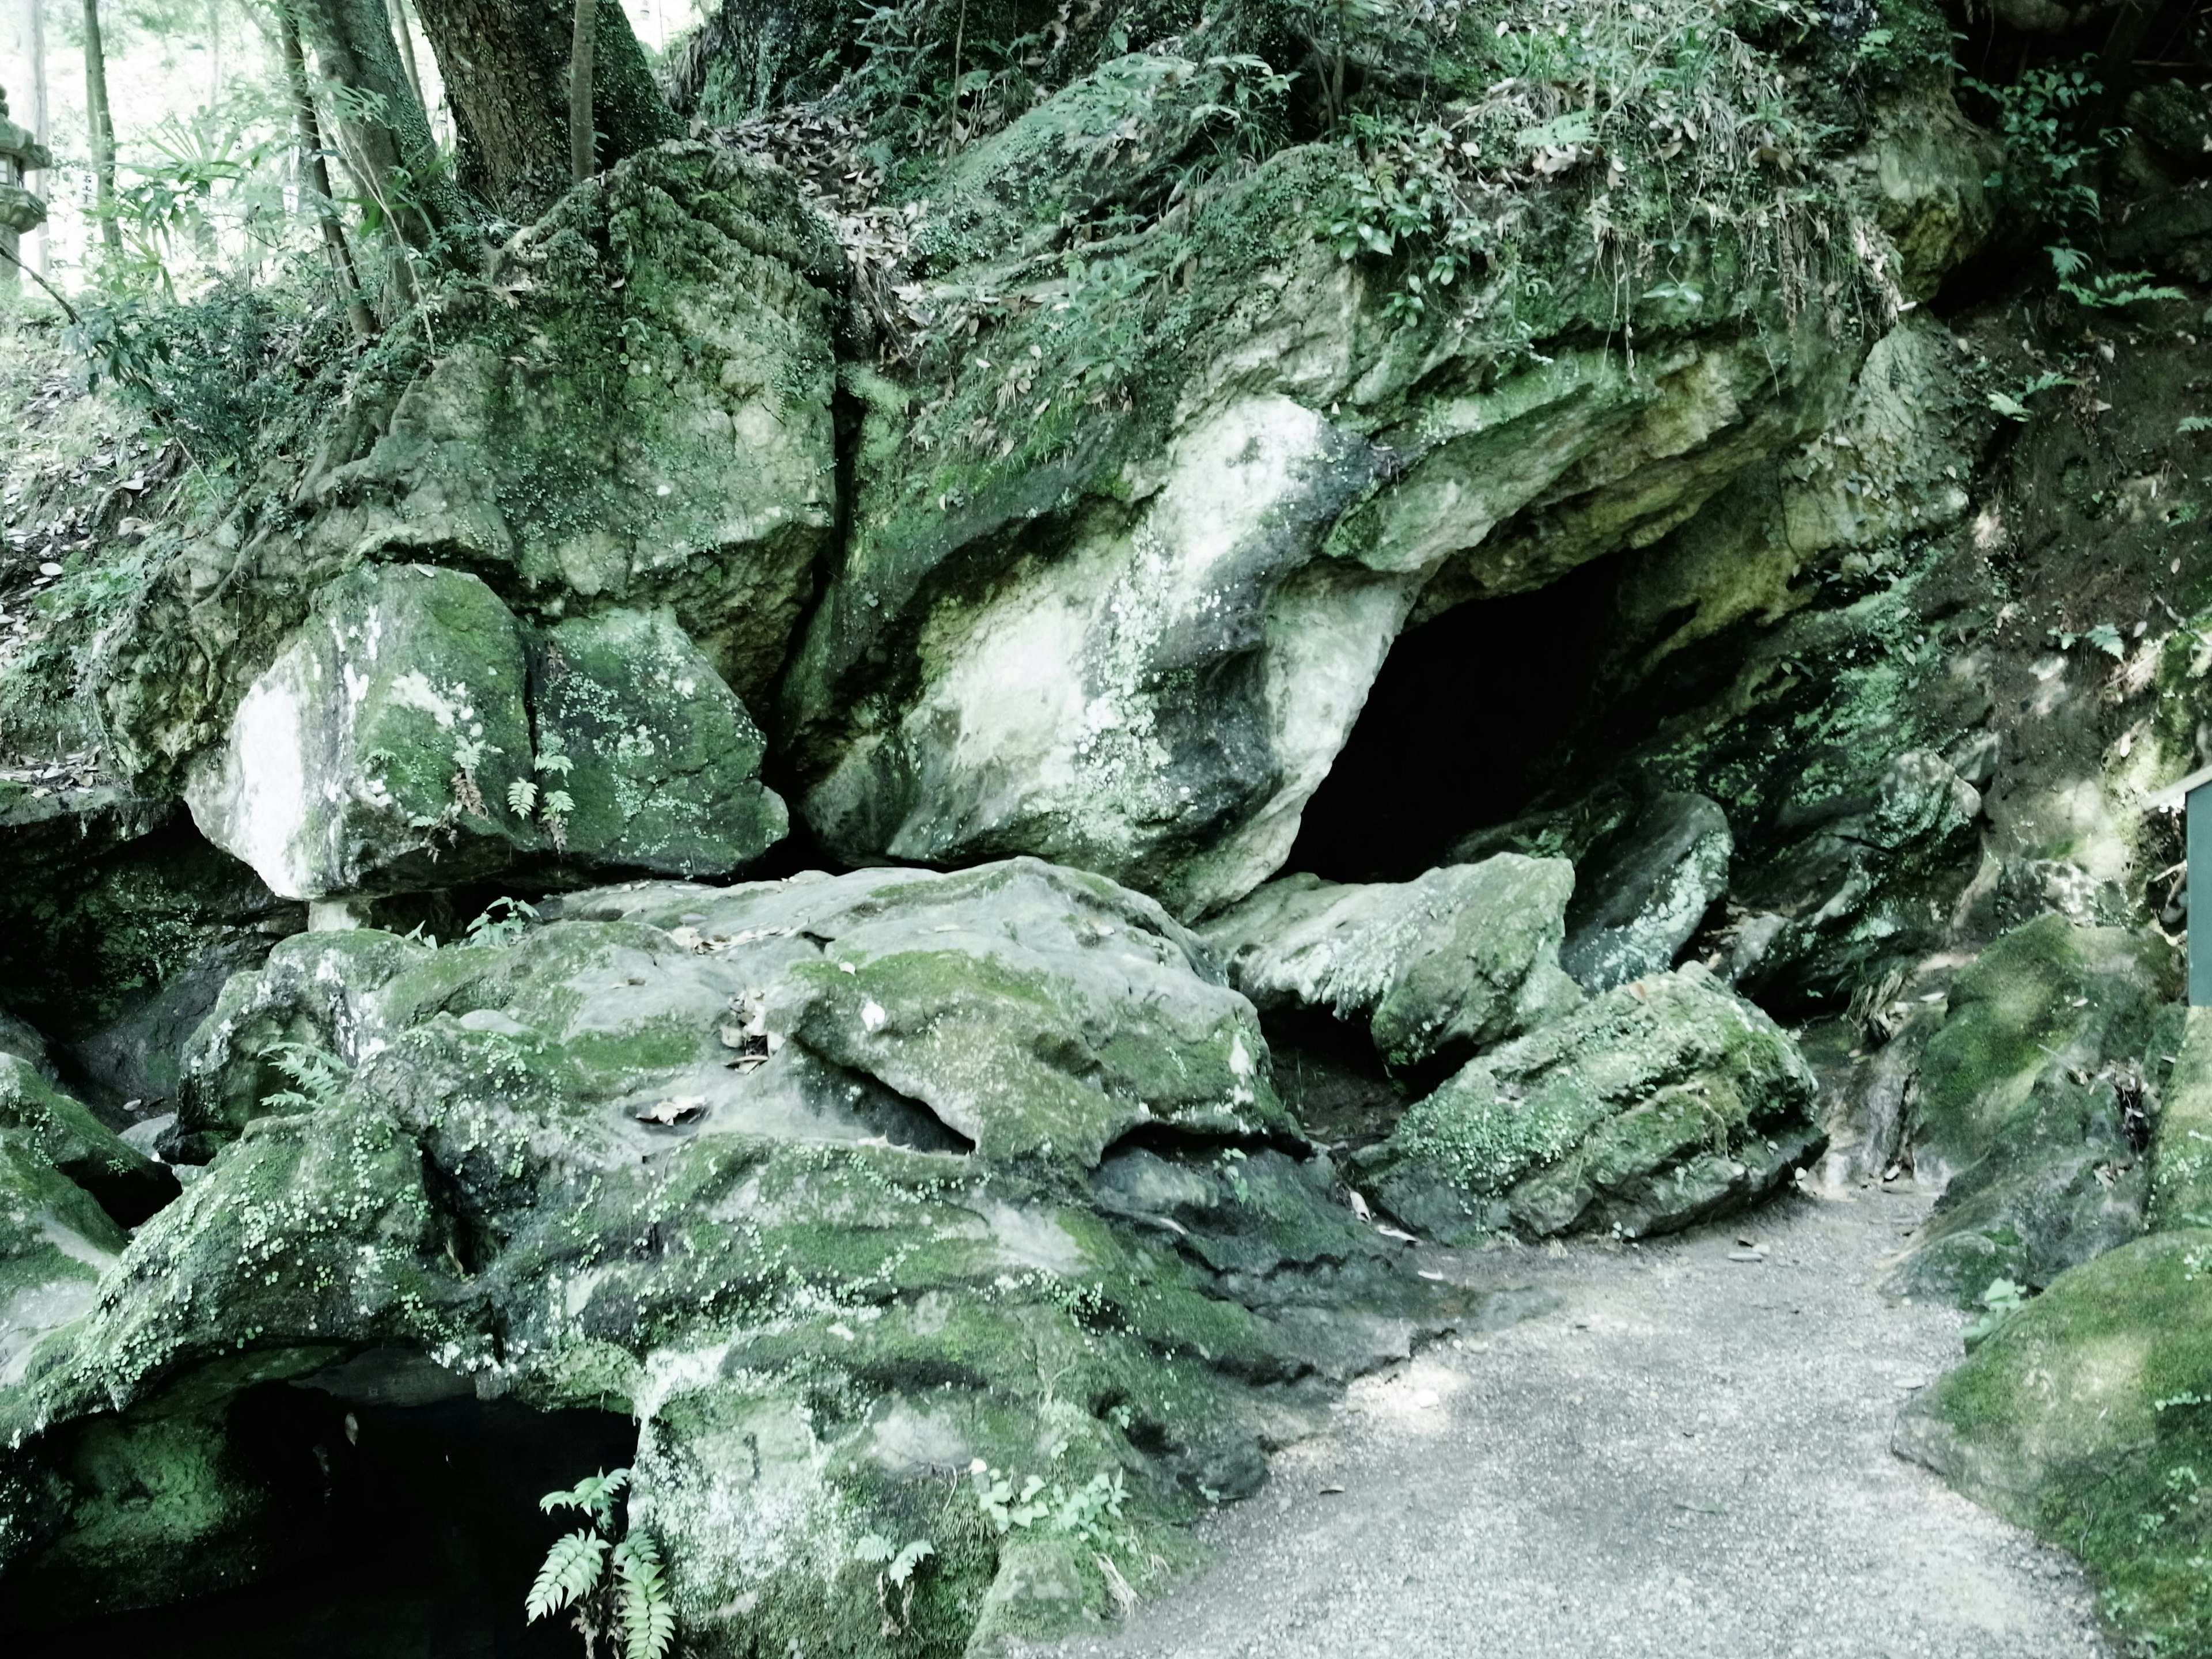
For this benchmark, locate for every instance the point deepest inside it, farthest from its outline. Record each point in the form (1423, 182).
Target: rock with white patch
(1463, 958)
(651, 760)
(379, 750)
(414, 734)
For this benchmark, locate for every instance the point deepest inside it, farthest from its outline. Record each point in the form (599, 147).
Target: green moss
(2045, 997)
(2083, 1415)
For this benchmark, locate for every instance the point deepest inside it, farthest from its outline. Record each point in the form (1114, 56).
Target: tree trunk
(506, 65)
(404, 33)
(384, 135)
(316, 172)
(583, 136)
(35, 47)
(102, 123)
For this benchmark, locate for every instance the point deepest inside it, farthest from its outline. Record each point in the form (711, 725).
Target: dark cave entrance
(414, 1536)
(1473, 715)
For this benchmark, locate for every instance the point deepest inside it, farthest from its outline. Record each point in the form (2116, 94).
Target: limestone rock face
(665, 770)
(1115, 598)
(1655, 1105)
(964, 1151)
(1644, 893)
(1458, 960)
(2035, 1104)
(693, 468)
(391, 746)
(380, 746)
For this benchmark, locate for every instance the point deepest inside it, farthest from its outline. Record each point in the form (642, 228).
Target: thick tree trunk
(102, 123)
(316, 179)
(381, 127)
(506, 65)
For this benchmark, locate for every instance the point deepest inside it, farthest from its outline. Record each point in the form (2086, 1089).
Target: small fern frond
(571, 1571)
(594, 1495)
(318, 1076)
(648, 1616)
(521, 796)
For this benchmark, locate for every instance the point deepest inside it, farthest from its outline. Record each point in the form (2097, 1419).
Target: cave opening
(410, 1532)
(1473, 714)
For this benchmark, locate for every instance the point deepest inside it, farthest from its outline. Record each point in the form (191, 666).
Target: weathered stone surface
(379, 750)
(59, 1132)
(1655, 1105)
(404, 741)
(2034, 1105)
(2083, 1416)
(665, 771)
(1193, 573)
(692, 467)
(1842, 883)
(1640, 895)
(972, 1153)
(1462, 958)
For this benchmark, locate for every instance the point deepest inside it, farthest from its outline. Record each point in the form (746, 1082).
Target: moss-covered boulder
(1463, 958)
(632, 406)
(1655, 1105)
(2087, 1415)
(2181, 1151)
(414, 734)
(380, 748)
(1182, 462)
(664, 760)
(837, 1184)
(2035, 1104)
(59, 1131)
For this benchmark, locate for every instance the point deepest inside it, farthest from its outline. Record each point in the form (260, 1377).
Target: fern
(594, 1495)
(318, 1076)
(570, 1573)
(648, 1617)
(521, 796)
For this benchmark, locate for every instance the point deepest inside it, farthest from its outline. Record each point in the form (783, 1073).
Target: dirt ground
(1687, 1459)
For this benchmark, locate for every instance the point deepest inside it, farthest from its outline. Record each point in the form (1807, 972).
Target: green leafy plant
(2013, 404)
(318, 1076)
(2108, 291)
(2045, 161)
(501, 922)
(2000, 1302)
(611, 1575)
(556, 804)
(898, 1565)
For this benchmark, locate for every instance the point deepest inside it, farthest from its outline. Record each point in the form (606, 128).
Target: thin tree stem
(583, 144)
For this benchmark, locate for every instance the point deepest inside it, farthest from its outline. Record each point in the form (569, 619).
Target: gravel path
(1688, 1459)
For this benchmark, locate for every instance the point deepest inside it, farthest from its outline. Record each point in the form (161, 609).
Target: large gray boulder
(1658, 1104)
(1641, 895)
(990, 1159)
(401, 741)
(1459, 959)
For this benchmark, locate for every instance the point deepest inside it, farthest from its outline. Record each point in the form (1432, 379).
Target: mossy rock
(379, 750)
(2045, 997)
(664, 760)
(2084, 1415)
(843, 1185)
(1456, 961)
(1657, 1104)
(2034, 1105)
